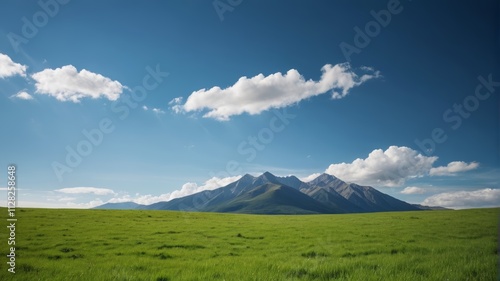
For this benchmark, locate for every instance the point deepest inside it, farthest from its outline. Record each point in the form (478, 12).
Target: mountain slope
(357, 198)
(292, 181)
(371, 200)
(269, 194)
(333, 200)
(272, 198)
(323, 190)
(209, 198)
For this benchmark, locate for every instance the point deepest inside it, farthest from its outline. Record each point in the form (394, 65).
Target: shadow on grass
(188, 247)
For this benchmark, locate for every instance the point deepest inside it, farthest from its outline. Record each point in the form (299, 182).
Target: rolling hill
(119, 206)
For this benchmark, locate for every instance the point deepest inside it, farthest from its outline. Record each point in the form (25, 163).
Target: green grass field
(161, 245)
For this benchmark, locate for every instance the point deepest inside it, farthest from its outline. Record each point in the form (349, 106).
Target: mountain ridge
(270, 194)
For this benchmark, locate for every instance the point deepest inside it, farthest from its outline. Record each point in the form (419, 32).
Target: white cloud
(310, 177)
(23, 95)
(177, 100)
(176, 105)
(121, 199)
(10, 68)
(83, 190)
(392, 168)
(384, 168)
(154, 109)
(91, 204)
(158, 111)
(260, 93)
(67, 84)
(177, 108)
(413, 190)
(186, 189)
(452, 168)
(67, 199)
(211, 184)
(487, 197)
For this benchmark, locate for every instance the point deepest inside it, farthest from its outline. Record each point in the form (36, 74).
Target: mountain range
(269, 194)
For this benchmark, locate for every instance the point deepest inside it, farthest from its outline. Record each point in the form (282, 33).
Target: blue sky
(120, 101)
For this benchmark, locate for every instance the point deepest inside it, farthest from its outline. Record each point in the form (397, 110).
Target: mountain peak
(268, 193)
(247, 176)
(324, 177)
(268, 174)
(269, 177)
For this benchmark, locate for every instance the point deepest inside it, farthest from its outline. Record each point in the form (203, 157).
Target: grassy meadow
(163, 245)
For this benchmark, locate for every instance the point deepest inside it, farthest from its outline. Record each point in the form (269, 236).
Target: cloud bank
(391, 167)
(487, 197)
(9, 68)
(67, 84)
(86, 190)
(453, 168)
(260, 93)
(186, 189)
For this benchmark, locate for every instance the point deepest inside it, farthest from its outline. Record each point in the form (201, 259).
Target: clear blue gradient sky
(161, 99)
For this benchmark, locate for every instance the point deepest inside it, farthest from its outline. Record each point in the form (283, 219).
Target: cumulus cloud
(392, 167)
(259, 93)
(9, 68)
(487, 197)
(186, 189)
(452, 168)
(84, 190)
(413, 190)
(384, 168)
(145, 108)
(22, 95)
(67, 84)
